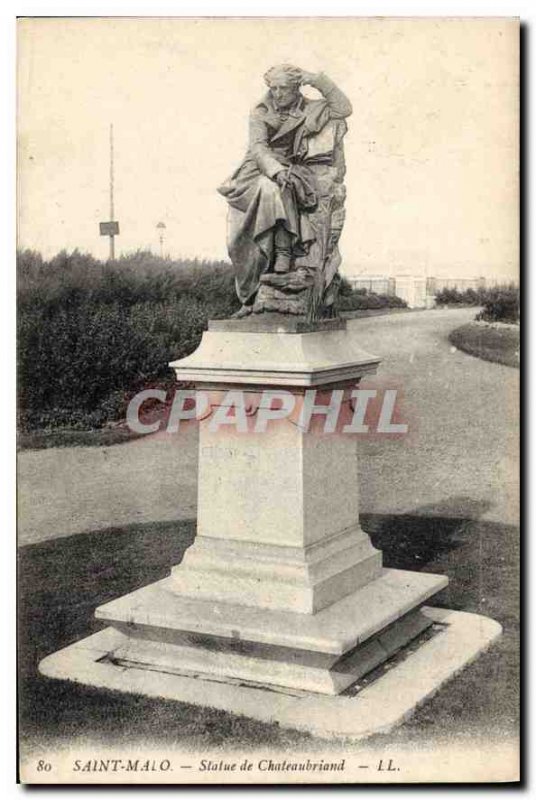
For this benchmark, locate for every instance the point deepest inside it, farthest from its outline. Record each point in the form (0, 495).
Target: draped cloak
(257, 203)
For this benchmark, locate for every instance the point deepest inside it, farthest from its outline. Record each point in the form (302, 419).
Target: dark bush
(92, 334)
(472, 297)
(363, 300)
(345, 288)
(502, 306)
(449, 297)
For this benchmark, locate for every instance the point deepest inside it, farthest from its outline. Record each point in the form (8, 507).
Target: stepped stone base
(325, 652)
(282, 596)
(417, 674)
(303, 670)
(298, 579)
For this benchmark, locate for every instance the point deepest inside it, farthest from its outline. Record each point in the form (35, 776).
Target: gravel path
(459, 460)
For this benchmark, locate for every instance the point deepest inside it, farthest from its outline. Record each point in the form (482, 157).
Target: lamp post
(161, 228)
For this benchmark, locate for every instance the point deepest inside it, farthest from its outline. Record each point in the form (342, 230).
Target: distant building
(380, 284)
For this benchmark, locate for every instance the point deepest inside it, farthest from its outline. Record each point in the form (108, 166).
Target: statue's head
(284, 83)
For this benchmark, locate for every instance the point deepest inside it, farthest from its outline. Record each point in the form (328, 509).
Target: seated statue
(287, 198)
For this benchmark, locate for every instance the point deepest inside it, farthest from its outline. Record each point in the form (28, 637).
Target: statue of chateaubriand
(287, 197)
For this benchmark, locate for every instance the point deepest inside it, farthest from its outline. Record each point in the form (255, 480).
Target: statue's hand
(281, 178)
(308, 78)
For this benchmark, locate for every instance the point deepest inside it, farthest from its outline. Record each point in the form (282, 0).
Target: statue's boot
(283, 249)
(242, 312)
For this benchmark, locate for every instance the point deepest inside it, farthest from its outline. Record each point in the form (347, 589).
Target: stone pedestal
(281, 587)
(278, 519)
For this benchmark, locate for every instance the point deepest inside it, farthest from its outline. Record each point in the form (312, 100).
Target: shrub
(450, 297)
(472, 297)
(92, 334)
(363, 300)
(501, 306)
(345, 288)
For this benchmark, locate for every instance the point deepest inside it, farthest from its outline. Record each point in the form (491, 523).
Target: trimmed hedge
(502, 307)
(91, 334)
(363, 300)
(496, 300)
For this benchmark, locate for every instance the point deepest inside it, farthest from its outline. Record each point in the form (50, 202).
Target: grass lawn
(497, 344)
(70, 437)
(61, 582)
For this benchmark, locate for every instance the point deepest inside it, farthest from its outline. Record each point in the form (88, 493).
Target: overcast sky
(431, 150)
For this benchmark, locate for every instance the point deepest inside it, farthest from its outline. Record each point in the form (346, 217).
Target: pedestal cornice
(275, 358)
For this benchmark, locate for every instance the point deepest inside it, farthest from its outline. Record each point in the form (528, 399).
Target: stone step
(336, 629)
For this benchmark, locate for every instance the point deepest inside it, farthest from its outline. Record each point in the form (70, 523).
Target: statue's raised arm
(286, 198)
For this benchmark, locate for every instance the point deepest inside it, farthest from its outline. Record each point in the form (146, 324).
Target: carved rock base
(285, 293)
